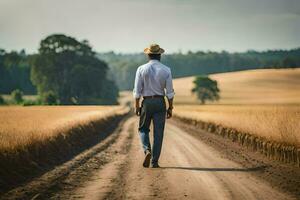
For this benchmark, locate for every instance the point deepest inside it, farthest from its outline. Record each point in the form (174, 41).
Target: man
(153, 82)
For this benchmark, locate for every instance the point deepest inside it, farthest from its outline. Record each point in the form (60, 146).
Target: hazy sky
(130, 25)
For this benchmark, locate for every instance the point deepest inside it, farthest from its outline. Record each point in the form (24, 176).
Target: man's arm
(170, 95)
(137, 91)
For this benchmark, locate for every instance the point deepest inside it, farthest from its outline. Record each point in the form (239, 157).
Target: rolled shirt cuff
(136, 95)
(170, 95)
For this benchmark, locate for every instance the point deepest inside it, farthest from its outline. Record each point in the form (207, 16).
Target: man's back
(153, 78)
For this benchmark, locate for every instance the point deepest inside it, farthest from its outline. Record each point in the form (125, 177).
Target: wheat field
(278, 123)
(263, 86)
(265, 103)
(22, 126)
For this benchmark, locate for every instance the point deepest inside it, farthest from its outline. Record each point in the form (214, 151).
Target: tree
(206, 89)
(111, 93)
(17, 96)
(2, 101)
(15, 72)
(49, 98)
(290, 62)
(70, 69)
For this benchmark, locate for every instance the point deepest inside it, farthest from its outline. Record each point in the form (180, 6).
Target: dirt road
(190, 169)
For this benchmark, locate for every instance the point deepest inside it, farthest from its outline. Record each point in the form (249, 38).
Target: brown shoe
(147, 159)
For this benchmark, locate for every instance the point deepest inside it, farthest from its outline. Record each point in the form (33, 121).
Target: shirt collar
(153, 61)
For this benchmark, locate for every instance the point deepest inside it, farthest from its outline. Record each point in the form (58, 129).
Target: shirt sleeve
(138, 85)
(169, 87)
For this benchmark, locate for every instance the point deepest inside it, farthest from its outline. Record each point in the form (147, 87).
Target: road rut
(190, 169)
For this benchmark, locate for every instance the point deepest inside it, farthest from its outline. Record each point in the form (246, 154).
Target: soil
(194, 165)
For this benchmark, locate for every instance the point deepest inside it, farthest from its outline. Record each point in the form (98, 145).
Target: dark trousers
(153, 109)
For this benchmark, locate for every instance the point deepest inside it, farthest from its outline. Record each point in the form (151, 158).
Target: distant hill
(123, 66)
(271, 86)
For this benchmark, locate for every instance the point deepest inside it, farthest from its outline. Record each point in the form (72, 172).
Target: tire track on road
(71, 174)
(190, 169)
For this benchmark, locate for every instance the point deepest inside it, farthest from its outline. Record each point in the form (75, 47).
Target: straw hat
(154, 49)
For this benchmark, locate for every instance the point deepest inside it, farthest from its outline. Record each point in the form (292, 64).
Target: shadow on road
(259, 168)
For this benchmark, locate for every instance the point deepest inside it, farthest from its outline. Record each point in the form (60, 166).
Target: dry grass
(264, 86)
(22, 126)
(274, 122)
(265, 103)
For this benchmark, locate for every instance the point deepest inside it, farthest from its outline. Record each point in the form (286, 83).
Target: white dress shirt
(153, 78)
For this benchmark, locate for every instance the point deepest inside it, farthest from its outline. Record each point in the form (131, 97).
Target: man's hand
(169, 113)
(137, 107)
(138, 110)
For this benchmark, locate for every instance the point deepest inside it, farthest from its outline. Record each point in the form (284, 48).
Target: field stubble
(261, 107)
(274, 122)
(22, 126)
(271, 129)
(36, 139)
(263, 86)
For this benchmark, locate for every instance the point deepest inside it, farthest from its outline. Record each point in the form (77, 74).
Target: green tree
(111, 93)
(289, 62)
(206, 89)
(49, 98)
(2, 100)
(17, 96)
(15, 72)
(70, 69)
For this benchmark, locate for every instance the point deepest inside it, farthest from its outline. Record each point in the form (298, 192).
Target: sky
(128, 26)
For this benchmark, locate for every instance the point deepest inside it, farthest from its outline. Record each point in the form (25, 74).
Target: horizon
(175, 52)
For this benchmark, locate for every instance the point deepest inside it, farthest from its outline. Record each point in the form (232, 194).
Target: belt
(154, 96)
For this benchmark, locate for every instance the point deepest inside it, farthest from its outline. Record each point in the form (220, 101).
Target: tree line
(68, 71)
(64, 71)
(15, 72)
(123, 66)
